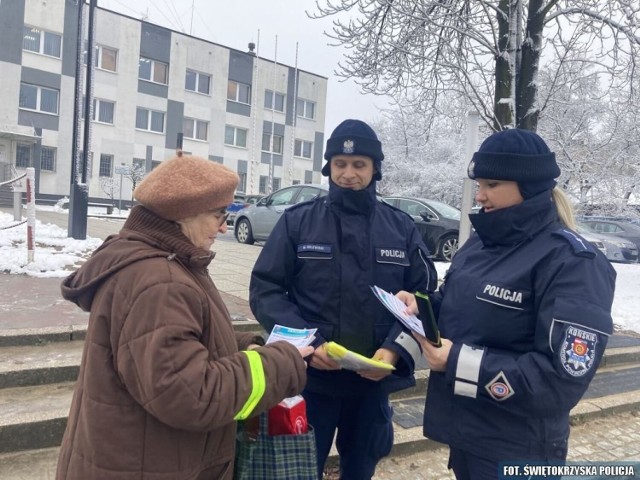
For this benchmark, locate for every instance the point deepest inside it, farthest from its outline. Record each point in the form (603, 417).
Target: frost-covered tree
(135, 174)
(487, 50)
(423, 151)
(595, 135)
(110, 187)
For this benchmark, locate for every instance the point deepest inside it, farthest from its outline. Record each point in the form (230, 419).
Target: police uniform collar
(515, 224)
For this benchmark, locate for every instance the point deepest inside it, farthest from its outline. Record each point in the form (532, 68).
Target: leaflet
(352, 360)
(298, 337)
(395, 306)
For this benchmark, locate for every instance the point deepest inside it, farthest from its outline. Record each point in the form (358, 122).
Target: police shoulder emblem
(471, 168)
(578, 350)
(348, 146)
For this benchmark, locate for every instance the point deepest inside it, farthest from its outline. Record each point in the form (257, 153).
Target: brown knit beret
(186, 186)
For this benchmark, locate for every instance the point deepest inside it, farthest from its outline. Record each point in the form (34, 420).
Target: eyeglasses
(224, 215)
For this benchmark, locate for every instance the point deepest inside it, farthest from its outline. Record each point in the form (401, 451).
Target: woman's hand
(321, 360)
(409, 299)
(437, 357)
(382, 355)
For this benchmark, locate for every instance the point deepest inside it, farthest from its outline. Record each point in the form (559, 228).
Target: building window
(48, 159)
(153, 71)
(242, 184)
(277, 182)
(106, 58)
(239, 92)
(295, 182)
(106, 165)
(302, 148)
(39, 41)
(305, 109)
(235, 136)
(103, 111)
(272, 143)
(195, 129)
(155, 163)
(274, 102)
(23, 156)
(264, 180)
(149, 120)
(40, 99)
(197, 82)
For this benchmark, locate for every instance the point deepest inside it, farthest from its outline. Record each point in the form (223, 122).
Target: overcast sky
(235, 23)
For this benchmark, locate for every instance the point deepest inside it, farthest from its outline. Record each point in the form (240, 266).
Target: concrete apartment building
(262, 119)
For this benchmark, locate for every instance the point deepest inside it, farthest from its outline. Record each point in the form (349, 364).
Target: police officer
(316, 270)
(525, 312)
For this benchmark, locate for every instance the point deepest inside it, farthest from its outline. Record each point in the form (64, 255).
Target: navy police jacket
(316, 270)
(527, 305)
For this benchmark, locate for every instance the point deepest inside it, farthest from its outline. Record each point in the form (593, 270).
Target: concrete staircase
(38, 369)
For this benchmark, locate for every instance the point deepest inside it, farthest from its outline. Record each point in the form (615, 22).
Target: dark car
(255, 222)
(617, 228)
(438, 223)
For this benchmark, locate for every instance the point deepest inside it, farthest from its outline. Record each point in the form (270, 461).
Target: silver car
(616, 249)
(255, 223)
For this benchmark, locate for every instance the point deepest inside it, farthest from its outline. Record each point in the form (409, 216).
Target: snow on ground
(55, 253)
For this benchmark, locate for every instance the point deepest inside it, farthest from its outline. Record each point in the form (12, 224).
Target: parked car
(437, 222)
(240, 201)
(618, 228)
(254, 223)
(252, 199)
(614, 248)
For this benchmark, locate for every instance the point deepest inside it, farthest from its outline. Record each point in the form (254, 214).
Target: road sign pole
(121, 170)
(120, 200)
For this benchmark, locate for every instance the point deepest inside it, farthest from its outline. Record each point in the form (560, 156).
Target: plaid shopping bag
(279, 457)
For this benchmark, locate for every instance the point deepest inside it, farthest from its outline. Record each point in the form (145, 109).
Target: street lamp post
(79, 194)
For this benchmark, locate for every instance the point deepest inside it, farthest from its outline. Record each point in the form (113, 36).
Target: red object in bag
(289, 417)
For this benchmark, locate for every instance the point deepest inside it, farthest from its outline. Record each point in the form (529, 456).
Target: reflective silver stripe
(465, 389)
(410, 344)
(499, 304)
(469, 361)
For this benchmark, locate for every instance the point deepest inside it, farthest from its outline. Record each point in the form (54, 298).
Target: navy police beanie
(518, 155)
(354, 137)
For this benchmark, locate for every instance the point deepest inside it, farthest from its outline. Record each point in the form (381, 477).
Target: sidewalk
(31, 302)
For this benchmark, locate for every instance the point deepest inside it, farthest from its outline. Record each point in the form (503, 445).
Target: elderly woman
(525, 315)
(164, 376)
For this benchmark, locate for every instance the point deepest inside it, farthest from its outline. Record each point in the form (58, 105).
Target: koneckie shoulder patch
(578, 350)
(579, 245)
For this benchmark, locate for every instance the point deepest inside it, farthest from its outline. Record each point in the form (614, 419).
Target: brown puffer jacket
(161, 377)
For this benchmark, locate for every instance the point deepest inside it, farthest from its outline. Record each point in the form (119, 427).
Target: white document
(298, 337)
(395, 306)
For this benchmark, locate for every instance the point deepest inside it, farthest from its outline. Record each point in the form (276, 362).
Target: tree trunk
(502, 109)
(527, 111)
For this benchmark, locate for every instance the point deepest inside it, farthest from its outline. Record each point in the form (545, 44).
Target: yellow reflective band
(259, 384)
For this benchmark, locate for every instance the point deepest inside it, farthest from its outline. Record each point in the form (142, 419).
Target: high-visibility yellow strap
(259, 384)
